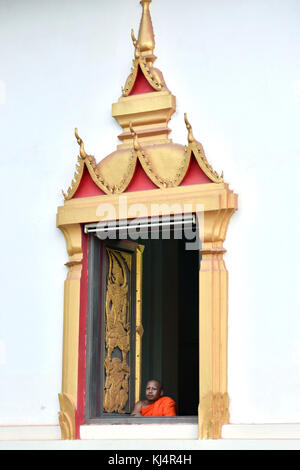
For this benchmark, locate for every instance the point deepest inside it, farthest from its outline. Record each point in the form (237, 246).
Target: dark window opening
(170, 318)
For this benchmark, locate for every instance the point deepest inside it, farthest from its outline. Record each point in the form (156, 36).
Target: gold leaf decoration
(148, 71)
(117, 334)
(198, 151)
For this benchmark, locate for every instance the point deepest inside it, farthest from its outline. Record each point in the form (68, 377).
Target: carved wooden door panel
(114, 328)
(121, 327)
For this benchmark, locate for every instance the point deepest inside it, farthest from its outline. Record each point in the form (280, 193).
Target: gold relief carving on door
(117, 331)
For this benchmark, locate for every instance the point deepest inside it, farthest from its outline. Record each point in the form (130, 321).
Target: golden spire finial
(146, 39)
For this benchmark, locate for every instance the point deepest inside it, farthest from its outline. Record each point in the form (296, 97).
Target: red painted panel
(194, 174)
(140, 180)
(87, 187)
(79, 415)
(141, 85)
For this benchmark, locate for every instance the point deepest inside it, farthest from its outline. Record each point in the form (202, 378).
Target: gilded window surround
(218, 203)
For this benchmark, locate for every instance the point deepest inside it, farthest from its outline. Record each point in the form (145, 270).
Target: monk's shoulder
(168, 407)
(167, 400)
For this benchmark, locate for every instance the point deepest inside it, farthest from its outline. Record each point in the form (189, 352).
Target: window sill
(143, 420)
(177, 427)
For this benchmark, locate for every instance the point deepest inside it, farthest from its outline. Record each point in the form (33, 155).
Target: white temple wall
(234, 68)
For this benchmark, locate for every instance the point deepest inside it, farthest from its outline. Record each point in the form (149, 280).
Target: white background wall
(234, 67)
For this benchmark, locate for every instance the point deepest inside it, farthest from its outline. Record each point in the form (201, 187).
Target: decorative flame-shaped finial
(190, 130)
(83, 154)
(136, 144)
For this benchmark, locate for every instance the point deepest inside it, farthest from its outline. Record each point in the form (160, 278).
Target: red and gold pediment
(146, 158)
(164, 166)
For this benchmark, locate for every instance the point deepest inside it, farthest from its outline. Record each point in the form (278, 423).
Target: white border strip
(148, 432)
(139, 431)
(261, 431)
(29, 433)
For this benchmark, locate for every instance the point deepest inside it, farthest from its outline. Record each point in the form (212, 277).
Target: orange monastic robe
(164, 406)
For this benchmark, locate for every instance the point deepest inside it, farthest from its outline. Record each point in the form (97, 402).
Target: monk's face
(153, 391)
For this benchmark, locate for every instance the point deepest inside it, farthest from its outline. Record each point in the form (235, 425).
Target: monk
(155, 404)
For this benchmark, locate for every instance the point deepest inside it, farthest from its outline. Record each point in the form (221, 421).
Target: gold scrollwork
(67, 416)
(117, 334)
(198, 151)
(146, 68)
(116, 385)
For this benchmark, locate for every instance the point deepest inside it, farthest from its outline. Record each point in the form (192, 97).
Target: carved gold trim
(95, 172)
(67, 416)
(143, 55)
(83, 158)
(149, 73)
(199, 154)
(130, 79)
(157, 180)
(76, 180)
(116, 189)
(117, 333)
(198, 151)
(149, 168)
(142, 154)
(117, 329)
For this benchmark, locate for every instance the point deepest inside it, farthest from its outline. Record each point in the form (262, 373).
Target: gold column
(68, 396)
(213, 409)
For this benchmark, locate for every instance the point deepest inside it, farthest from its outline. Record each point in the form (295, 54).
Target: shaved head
(158, 383)
(153, 390)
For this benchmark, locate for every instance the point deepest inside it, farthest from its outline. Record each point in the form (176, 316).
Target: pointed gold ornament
(144, 119)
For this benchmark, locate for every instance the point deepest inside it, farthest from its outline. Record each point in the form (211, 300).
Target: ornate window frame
(217, 203)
